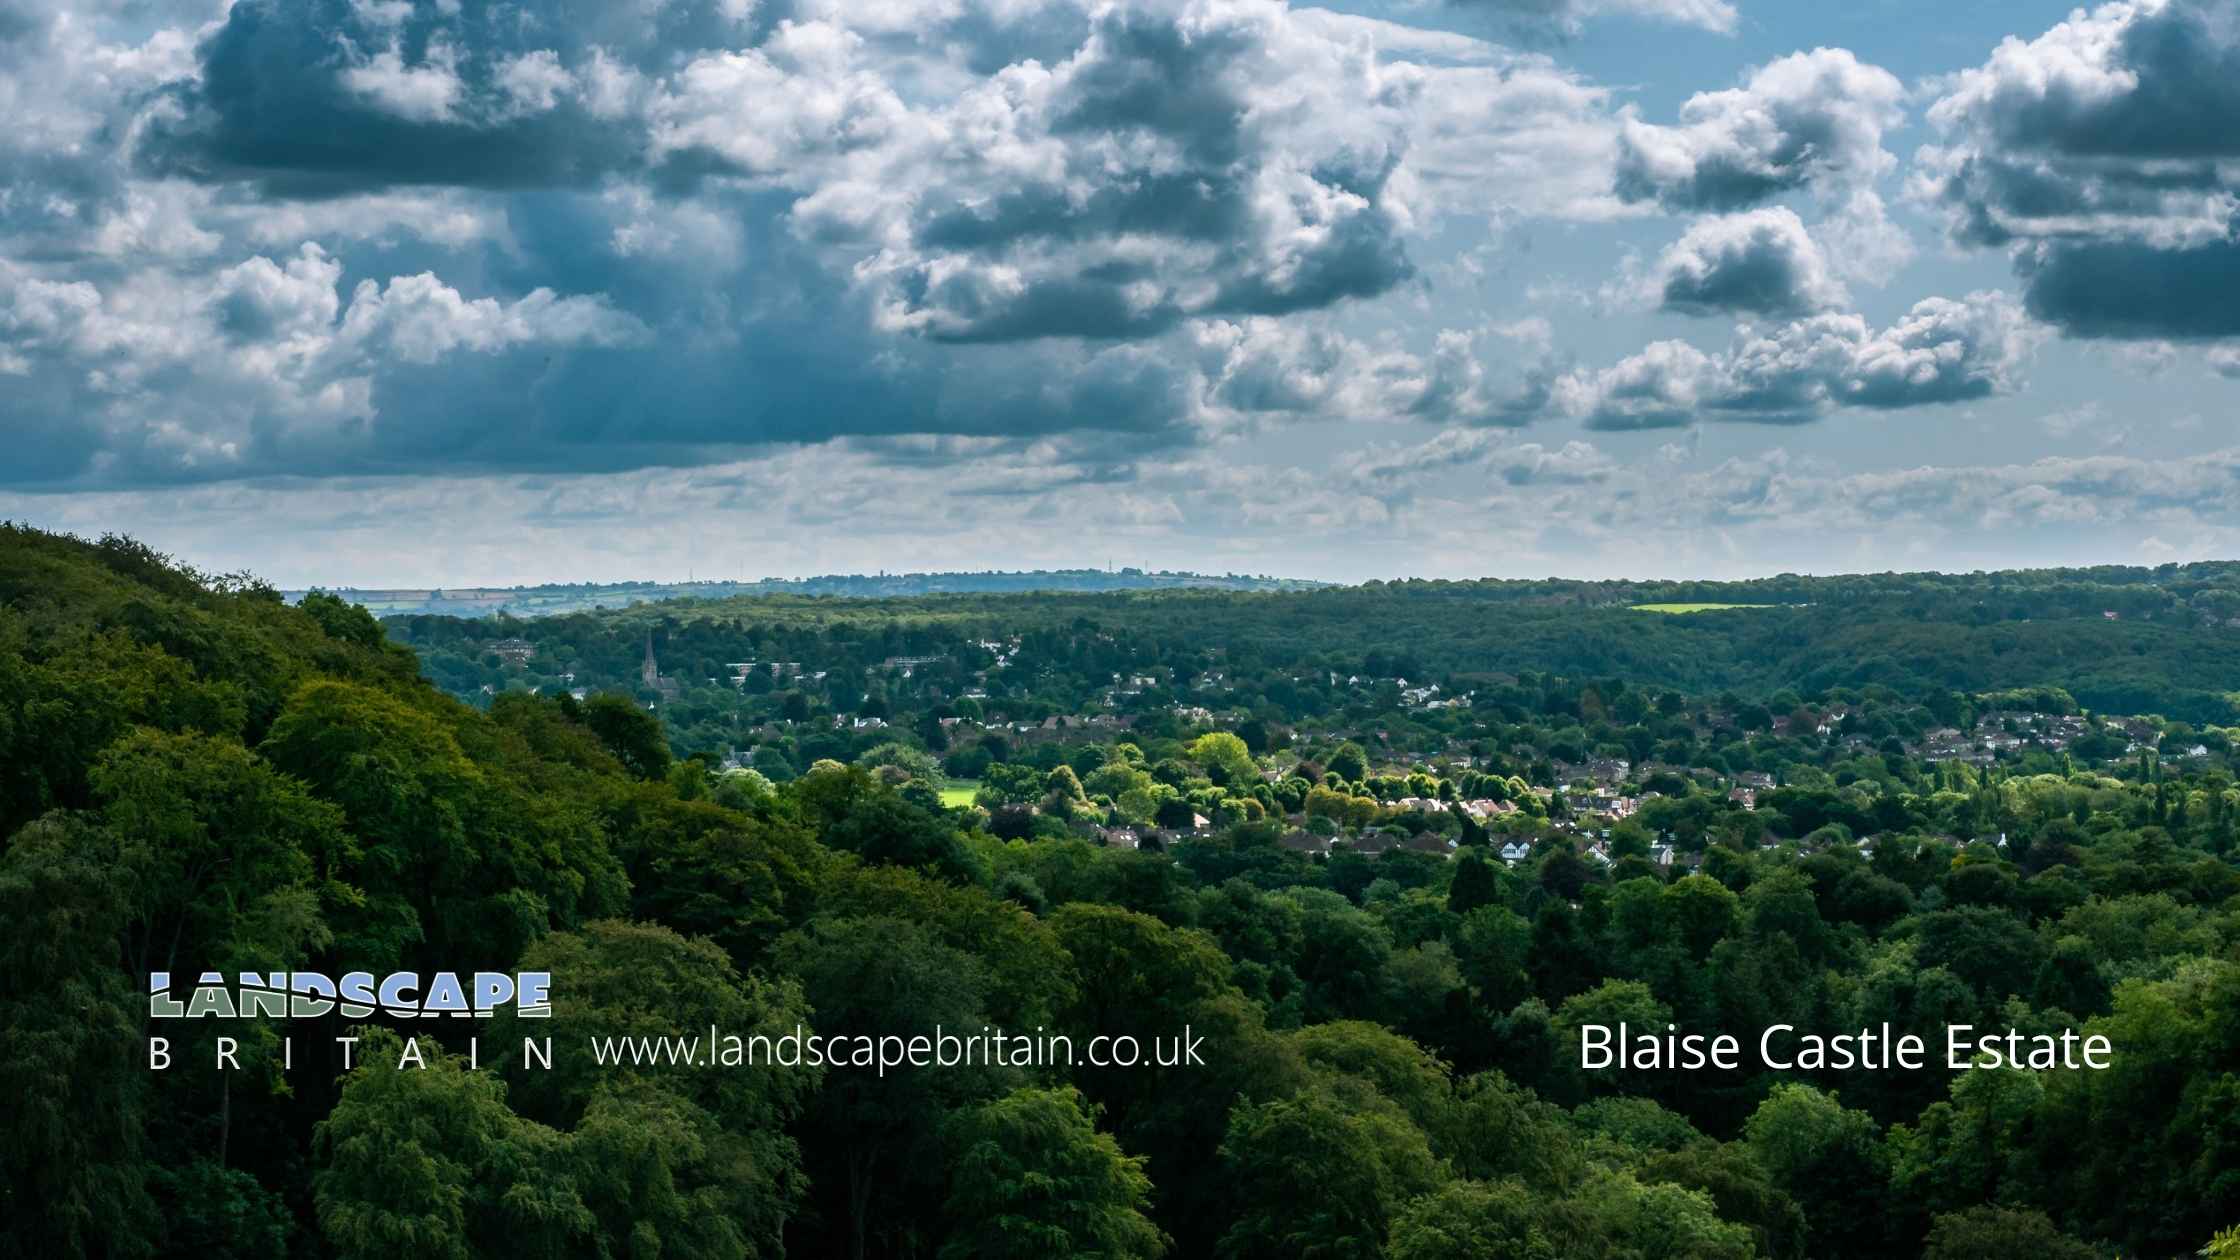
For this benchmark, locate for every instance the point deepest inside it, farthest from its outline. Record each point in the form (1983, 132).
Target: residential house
(514, 652)
(1371, 843)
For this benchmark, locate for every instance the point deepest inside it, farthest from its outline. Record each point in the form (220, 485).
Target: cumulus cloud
(2086, 490)
(420, 319)
(427, 91)
(1760, 262)
(61, 83)
(1238, 159)
(1460, 387)
(1130, 188)
(323, 97)
(2104, 156)
(1573, 463)
(1016, 250)
(1942, 351)
(1260, 368)
(577, 237)
(162, 377)
(1156, 163)
(1809, 119)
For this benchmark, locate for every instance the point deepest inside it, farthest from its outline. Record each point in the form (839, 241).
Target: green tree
(1987, 1232)
(1497, 1130)
(210, 1210)
(1225, 757)
(341, 620)
(2164, 1117)
(1476, 883)
(225, 855)
(72, 1095)
(877, 1160)
(1473, 1220)
(404, 786)
(915, 763)
(1031, 1177)
(697, 1162)
(1617, 1214)
(1311, 1177)
(1349, 762)
(1829, 1158)
(1739, 1190)
(425, 1159)
(1359, 1059)
(631, 733)
(1492, 947)
(1702, 912)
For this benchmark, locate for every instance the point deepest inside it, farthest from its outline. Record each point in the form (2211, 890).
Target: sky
(428, 292)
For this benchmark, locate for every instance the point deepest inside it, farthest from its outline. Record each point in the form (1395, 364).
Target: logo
(357, 994)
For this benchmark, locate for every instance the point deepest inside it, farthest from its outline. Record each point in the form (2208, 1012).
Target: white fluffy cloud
(1061, 256)
(1760, 262)
(1254, 370)
(189, 377)
(736, 226)
(420, 319)
(1809, 119)
(1235, 158)
(1942, 351)
(2104, 155)
(425, 91)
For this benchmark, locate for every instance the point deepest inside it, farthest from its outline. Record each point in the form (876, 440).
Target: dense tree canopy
(1351, 873)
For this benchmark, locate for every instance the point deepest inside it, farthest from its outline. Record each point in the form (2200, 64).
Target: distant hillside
(2118, 640)
(550, 599)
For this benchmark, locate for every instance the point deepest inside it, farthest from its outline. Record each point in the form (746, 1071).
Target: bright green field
(958, 793)
(1692, 608)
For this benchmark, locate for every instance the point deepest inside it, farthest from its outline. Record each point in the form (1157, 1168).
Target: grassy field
(1692, 608)
(959, 792)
